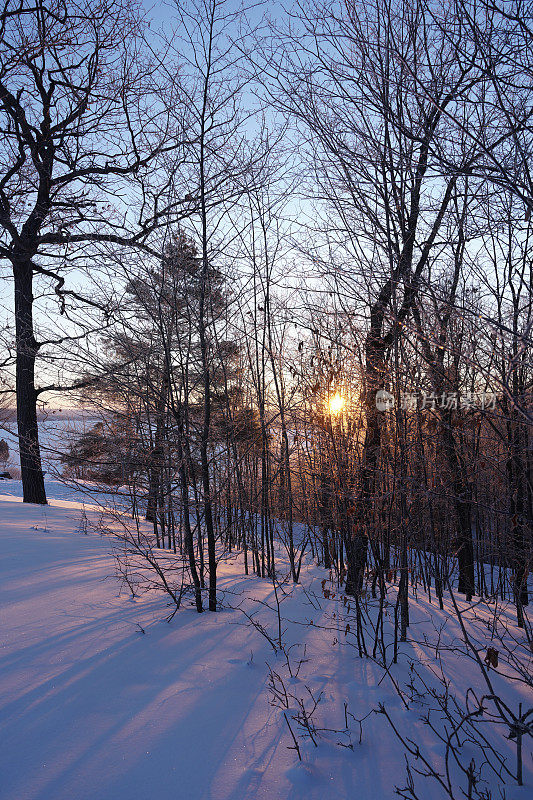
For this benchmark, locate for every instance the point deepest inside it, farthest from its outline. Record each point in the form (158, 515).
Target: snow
(92, 708)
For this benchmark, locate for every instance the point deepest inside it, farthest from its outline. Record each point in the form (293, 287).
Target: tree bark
(186, 519)
(26, 352)
(356, 549)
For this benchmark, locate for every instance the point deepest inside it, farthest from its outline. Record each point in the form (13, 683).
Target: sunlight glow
(336, 403)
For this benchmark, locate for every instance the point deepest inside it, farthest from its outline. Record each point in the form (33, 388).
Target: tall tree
(83, 129)
(371, 85)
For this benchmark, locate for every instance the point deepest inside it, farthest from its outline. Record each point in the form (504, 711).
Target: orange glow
(336, 404)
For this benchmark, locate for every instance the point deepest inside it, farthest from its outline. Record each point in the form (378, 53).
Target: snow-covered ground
(92, 708)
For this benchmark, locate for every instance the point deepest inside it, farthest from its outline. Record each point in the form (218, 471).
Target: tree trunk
(356, 550)
(324, 509)
(204, 441)
(156, 456)
(356, 545)
(27, 348)
(461, 492)
(186, 521)
(518, 545)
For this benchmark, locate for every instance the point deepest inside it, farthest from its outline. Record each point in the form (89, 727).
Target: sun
(336, 403)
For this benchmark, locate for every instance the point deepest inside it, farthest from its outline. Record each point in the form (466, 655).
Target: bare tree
(84, 130)
(353, 81)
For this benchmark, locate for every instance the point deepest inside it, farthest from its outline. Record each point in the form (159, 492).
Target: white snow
(93, 709)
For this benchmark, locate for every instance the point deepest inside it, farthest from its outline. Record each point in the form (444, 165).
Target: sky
(161, 16)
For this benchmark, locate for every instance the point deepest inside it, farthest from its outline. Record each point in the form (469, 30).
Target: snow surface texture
(92, 708)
